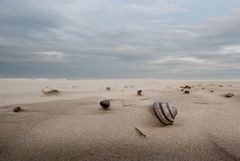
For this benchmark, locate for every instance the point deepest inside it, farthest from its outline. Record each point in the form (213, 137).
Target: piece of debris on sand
(227, 95)
(105, 104)
(186, 92)
(17, 109)
(186, 87)
(140, 132)
(50, 91)
(139, 92)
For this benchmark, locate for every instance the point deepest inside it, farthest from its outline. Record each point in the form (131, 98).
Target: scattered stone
(108, 88)
(165, 112)
(139, 92)
(229, 95)
(212, 91)
(125, 86)
(105, 104)
(220, 85)
(203, 88)
(187, 87)
(186, 92)
(182, 89)
(17, 109)
(50, 91)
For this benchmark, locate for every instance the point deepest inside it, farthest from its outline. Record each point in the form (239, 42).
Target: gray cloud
(132, 39)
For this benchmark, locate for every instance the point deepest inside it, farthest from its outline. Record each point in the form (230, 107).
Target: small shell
(165, 112)
(49, 91)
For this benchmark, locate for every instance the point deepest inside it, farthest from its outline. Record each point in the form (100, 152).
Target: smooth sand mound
(206, 127)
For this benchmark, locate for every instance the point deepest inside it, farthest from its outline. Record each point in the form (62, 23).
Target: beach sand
(71, 125)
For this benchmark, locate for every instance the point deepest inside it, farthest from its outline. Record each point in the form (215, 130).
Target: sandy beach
(71, 126)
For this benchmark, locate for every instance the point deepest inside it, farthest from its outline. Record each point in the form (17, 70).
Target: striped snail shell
(165, 112)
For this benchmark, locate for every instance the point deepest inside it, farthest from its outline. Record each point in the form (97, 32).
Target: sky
(104, 39)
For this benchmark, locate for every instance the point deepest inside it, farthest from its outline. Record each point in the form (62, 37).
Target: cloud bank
(120, 39)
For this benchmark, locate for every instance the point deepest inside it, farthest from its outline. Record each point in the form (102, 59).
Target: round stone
(105, 103)
(17, 109)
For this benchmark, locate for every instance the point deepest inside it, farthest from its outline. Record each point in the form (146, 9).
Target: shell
(166, 113)
(48, 91)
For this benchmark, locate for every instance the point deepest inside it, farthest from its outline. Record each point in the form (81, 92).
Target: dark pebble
(17, 109)
(229, 95)
(186, 92)
(139, 92)
(187, 87)
(105, 103)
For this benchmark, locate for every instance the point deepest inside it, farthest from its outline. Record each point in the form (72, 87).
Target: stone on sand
(187, 87)
(186, 92)
(105, 104)
(229, 95)
(17, 109)
(139, 92)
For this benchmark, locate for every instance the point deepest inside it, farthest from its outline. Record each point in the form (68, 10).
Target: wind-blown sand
(71, 125)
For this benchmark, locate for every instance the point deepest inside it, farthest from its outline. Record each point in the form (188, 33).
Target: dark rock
(139, 92)
(105, 103)
(220, 85)
(229, 95)
(186, 92)
(212, 91)
(108, 88)
(17, 109)
(187, 87)
(203, 88)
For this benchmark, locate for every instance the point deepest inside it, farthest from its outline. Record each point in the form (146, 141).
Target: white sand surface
(72, 125)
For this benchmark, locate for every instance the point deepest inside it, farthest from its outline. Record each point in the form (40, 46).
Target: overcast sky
(168, 39)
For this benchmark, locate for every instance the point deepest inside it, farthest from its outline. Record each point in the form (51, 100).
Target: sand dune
(72, 126)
